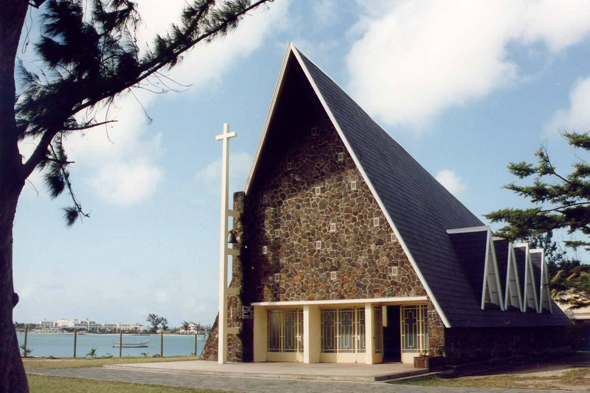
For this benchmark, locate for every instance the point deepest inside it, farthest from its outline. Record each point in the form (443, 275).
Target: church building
(347, 250)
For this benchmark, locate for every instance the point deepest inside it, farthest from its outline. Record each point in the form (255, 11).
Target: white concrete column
(312, 340)
(369, 332)
(260, 333)
(223, 249)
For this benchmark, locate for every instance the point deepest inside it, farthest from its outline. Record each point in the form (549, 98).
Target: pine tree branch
(88, 126)
(563, 207)
(66, 178)
(154, 66)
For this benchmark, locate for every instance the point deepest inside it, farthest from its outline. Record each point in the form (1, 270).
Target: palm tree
(186, 326)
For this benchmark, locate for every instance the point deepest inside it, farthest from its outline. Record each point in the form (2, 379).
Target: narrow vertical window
(317, 190)
(376, 222)
(340, 156)
(353, 185)
(318, 245)
(264, 250)
(333, 276)
(332, 227)
(277, 277)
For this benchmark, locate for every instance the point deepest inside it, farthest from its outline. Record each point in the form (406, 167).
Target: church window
(393, 271)
(317, 190)
(353, 185)
(264, 250)
(340, 156)
(277, 277)
(343, 330)
(334, 276)
(414, 329)
(332, 227)
(376, 222)
(393, 237)
(318, 245)
(277, 233)
(285, 330)
(265, 199)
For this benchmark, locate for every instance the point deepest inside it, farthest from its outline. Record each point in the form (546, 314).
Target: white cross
(223, 249)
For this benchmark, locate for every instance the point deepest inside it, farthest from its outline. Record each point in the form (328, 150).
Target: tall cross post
(223, 247)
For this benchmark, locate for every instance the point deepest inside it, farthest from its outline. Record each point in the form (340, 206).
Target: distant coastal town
(64, 325)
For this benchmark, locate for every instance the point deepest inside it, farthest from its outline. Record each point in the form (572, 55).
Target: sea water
(62, 345)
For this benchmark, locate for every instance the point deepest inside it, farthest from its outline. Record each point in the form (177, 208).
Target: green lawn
(47, 384)
(568, 373)
(43, 364)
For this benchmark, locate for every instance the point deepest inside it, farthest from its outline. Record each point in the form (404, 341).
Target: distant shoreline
(111, 334)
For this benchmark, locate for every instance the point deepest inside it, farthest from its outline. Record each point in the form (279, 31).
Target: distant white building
(64, 323)
(46, 324)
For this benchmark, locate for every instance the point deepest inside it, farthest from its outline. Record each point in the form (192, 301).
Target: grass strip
(46, 364)
(50, 384)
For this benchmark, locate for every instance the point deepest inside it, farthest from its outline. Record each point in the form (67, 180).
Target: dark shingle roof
(419, 206)
(501, 247)
(520, 254)
(537, 260)
(470, 248)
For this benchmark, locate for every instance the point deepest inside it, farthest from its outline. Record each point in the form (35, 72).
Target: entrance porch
(365, 331)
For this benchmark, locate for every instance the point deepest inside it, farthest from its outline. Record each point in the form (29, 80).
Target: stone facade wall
(468, 345)
(436, 331)
(308, 219)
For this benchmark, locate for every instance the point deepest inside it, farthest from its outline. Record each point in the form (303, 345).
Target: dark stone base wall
(469, 345)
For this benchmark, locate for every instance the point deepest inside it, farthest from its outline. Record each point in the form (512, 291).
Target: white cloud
(451, 181)
(162, 297)
(239, 168)
(413, 60)
(577, 116)
(122, 167)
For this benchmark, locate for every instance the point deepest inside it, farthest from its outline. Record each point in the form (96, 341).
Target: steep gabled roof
(417, 207)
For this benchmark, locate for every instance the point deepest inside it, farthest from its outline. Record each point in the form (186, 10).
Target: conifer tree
(84, 63)
(561, 202)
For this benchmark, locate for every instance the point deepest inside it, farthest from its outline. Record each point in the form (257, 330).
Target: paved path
(245, 384)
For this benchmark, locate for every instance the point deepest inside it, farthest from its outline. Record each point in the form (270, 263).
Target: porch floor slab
(313, 371)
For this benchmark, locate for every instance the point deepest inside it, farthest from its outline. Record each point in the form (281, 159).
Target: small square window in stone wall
(277, 277)
(393, 271)
(376, 222)
(265, 199)
(334, 276)
(264, 250)
(340, 156)
(393, 238)
(317, 190)
(318, 245)
(332, 227)
(353, 185)
(277, 233)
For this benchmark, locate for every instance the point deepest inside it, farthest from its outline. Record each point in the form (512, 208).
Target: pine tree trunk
(12, 15)
(12, 372)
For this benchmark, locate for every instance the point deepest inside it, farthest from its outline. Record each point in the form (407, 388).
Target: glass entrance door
(414, 332)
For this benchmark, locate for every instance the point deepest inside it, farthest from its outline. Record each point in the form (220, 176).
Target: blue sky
(466, 87)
